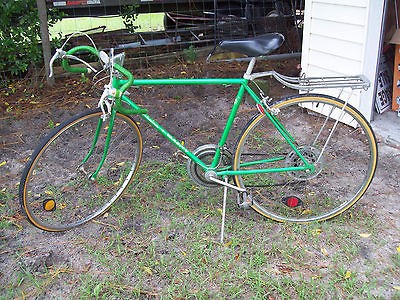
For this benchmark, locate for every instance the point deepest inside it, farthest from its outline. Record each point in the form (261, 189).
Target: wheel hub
(312, 155)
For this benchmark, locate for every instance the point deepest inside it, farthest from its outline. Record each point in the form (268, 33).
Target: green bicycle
(307, 157)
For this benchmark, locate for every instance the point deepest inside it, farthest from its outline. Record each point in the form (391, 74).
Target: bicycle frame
(243, 87)
(121, 85)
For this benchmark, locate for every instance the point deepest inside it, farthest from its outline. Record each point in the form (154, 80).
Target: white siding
(341, 37)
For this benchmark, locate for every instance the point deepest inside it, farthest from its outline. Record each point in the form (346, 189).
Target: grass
(146, 22)
(6, 211)
(161, 242)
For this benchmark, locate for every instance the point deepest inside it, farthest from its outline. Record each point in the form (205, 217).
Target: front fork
(99, 127)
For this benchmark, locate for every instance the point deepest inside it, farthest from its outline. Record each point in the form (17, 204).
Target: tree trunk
(44, 33)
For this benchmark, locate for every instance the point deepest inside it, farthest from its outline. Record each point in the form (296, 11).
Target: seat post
(250, 67)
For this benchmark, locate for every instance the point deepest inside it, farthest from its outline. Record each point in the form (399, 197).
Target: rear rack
(304, 83)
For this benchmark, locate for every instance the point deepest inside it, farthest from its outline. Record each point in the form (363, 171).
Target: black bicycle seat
(255, 46)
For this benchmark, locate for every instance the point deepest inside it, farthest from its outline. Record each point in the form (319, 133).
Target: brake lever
(59, 54)
(63, 54)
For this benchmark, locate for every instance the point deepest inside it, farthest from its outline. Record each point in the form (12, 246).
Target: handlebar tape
(65, 64)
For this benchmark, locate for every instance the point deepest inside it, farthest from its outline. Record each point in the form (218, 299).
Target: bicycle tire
(56, 192)
(342, 175)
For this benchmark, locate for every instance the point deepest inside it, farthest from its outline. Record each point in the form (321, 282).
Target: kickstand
(224, 210)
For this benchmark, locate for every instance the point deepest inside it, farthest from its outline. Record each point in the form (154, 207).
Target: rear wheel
(343, 153)
(56, 189)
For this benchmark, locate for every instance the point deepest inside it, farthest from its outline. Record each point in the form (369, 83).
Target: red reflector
(260, 109)
(292, 201)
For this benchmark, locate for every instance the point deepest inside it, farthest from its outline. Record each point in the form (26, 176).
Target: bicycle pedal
(244, 201)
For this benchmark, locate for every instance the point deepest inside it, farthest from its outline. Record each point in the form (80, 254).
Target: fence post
(44, 33)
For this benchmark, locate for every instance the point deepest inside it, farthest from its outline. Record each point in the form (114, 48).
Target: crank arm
(226, 184)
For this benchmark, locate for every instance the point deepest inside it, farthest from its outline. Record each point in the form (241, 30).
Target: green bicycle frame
(243, 87)
(126, 106)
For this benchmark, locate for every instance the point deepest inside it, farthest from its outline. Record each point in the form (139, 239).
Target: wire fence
(154, 28)
(180, 22)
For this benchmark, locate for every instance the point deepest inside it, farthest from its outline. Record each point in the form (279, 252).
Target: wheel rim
(57, 194)
(329, 192)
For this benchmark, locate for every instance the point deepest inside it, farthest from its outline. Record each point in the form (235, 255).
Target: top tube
(191, 81)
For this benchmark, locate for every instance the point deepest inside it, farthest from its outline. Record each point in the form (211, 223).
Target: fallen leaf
(317, 231)
(148, 270)
(365, 235)
(324, 251)
(347, 275)
(2, 163)
(397, 287)
(398, 249)
(228, 244)
(306, 212)
(285, 269)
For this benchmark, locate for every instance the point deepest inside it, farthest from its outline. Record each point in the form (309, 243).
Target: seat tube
(250, 67)
(228, 125)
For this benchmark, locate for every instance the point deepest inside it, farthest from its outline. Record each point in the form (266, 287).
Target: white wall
(342, 37)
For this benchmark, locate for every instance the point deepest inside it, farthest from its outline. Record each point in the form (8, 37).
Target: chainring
(206, 154)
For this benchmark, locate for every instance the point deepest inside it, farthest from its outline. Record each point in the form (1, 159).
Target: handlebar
(70, 54)
(66, 55)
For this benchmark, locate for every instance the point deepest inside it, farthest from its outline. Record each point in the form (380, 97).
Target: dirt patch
(196, 116)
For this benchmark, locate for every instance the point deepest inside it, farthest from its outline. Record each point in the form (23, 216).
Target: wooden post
(44, 33)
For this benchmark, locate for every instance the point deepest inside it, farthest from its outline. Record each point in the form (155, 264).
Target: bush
(20, 36)
(129, 15)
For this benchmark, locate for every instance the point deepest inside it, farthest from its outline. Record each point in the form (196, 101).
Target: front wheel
(57, 191)
(343, 153)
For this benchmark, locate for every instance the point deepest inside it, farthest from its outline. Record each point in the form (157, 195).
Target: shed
(343, 37)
